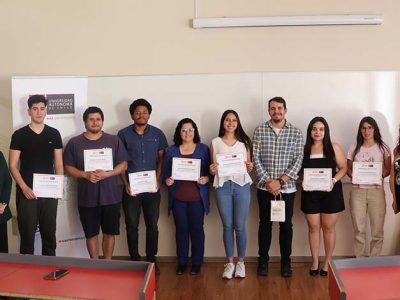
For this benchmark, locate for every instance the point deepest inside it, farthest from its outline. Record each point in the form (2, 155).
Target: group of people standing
(278, 147)
(277, 153)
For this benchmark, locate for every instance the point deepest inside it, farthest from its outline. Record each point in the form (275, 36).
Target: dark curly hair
(139, 102)
(177, 134)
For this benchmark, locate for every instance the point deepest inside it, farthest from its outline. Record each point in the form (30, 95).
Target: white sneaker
(240, 270)
(228, 271)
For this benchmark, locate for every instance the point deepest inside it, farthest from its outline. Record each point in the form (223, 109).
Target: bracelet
(334, 180)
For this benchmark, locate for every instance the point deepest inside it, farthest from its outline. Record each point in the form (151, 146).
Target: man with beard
(278, 156)
(99, 198)
(146, 146)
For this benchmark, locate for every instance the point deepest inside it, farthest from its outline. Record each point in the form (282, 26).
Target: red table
(365, 278)
(22, 276)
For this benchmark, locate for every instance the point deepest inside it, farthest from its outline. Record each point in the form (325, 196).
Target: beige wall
(105, 38)
(129, 37)
(102, 37)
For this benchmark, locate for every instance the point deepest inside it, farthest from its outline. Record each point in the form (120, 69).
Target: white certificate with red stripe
(317, 179)
(230, 164)
(98, 159)
(143, 182)
(186, 168)
(48, 185)
(367, 173)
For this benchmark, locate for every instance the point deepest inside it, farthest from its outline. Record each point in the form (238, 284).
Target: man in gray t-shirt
(99, 198)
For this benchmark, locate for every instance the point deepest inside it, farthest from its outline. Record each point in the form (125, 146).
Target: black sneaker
(262, 268)
(286, 270)
(181, 269)
(195, 269)
(136, 258)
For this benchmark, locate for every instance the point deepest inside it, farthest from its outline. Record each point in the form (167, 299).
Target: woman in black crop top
(321, 208)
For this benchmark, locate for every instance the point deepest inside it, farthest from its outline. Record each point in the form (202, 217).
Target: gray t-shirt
(103, 192)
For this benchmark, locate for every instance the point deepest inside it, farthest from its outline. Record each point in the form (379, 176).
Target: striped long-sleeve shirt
(276, 155)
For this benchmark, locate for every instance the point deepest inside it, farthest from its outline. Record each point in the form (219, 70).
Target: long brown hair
(377, 135)
(240, 135)
(329, 152)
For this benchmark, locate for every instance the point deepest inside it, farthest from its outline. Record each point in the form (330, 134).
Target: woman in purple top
(188, 200)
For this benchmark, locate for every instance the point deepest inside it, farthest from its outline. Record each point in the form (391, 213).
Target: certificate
(143, 182)
(230, 164)
(48, 185)
(186, 168)
(98, 159)
(317, 179)
(367, 173)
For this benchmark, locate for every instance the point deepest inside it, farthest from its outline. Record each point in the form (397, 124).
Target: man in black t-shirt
(35, 148)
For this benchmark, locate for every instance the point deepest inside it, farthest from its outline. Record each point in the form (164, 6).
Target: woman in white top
(368, 199)
(232, 188)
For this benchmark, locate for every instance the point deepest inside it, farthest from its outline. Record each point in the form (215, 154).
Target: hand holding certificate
(230, 164)
(98, 159)
(186, 168)
(317, 179)
(143, 182)
(48, 185)
(367, 173)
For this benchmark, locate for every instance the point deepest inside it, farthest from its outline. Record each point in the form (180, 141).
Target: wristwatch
(281, 181)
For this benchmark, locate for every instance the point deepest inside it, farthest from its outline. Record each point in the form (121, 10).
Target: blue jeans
(233, 203)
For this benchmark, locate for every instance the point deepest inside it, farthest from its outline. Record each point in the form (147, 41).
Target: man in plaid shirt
(278, 156)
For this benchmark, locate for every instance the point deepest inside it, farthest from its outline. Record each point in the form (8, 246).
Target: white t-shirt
(221, 148)
(369, 154)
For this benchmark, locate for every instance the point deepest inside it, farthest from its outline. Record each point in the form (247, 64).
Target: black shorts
(106, 217)
(318, 202)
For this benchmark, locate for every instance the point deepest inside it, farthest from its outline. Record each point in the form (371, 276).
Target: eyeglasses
(186, 130)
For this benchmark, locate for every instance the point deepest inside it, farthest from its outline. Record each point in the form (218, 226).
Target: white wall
(343, 98)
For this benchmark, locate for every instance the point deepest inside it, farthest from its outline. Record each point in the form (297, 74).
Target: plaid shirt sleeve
(261, 170)
(295, 165)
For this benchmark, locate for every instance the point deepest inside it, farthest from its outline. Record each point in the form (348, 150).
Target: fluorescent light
(287, 21)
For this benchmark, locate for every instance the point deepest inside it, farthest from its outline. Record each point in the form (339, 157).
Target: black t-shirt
(37, 151)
